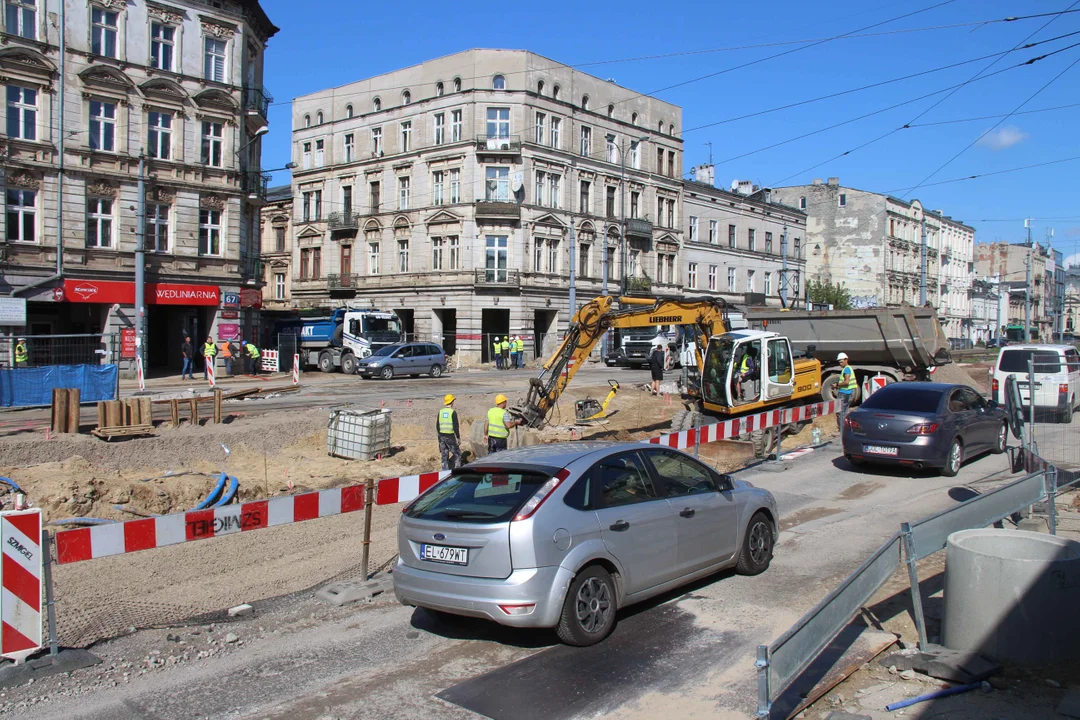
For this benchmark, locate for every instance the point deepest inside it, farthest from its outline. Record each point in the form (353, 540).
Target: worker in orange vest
(228, 355)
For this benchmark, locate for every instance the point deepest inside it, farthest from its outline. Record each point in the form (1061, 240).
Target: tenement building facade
(461, 192)
(178, 84)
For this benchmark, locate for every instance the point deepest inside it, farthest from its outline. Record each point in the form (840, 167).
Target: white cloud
(1003, 138)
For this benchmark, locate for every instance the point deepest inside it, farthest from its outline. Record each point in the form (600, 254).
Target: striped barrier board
(20, 583)
(404, 489)
(731, 429)
(268, 360)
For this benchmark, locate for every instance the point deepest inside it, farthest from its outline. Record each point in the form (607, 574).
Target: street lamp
(258, 134)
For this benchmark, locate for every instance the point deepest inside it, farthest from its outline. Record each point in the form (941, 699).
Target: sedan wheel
(757, 549)
(588, 614)
(436, 371)
(386, 373)
(953, 460)
(1002, 439)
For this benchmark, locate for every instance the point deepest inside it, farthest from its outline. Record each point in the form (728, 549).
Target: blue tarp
(33, 386)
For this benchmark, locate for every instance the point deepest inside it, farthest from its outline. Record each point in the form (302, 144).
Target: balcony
(254, 186)
(336, 282)
(256, 107)
(638, 285)
(639, 227)
(343, 223)
(498, 210)
(496, 278)
(499, 145)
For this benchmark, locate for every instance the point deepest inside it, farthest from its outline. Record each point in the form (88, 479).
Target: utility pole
(1027, 285)
(573, 273)
(784, 282)
(140, 265)
(922, 267)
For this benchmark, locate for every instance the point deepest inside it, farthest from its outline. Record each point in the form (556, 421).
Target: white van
(1057, 377)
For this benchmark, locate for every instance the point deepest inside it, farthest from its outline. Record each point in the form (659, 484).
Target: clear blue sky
(342, 40)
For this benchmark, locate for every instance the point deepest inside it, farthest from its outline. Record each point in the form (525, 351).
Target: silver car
(563, 535)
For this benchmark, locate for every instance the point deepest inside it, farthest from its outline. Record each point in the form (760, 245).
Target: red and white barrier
(139, 373)
(296, 369)
(210, 371)
(730, 429)
(269, 360)
(20, 583)
(404, 489)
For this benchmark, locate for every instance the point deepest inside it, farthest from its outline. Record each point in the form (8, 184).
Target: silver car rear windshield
(478, 497)
(1016, 361)
(903, 399)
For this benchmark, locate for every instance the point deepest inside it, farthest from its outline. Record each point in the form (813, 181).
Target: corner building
(447, 191)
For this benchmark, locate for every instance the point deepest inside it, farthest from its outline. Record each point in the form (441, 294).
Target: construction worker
(513, 351)
(449, 434)
(209, 353)
(253, 359)
(505, 347)
(22, 354)
(497, 425)
(496, 349)
(227, 354)
(845, 389)
(520, 351)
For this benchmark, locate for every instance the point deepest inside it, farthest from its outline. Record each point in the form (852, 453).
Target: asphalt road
(687, 654)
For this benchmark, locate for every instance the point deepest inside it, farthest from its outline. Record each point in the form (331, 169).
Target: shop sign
(123, 293)
(228, 314)
(230, 300)
(127, 343)
(251, 298)
(12, 311)
(228, 331)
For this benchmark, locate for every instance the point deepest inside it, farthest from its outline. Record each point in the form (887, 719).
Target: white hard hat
(496, 338)
(841, 356)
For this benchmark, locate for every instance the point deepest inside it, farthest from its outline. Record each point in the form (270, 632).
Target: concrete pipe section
(1012, 595)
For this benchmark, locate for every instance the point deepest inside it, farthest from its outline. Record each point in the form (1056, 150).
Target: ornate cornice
(217, 28)
(159, 194)
(164, 14)
(102, 188)
(211, 202)
(23, 180)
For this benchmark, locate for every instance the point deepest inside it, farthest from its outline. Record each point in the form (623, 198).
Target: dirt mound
(958, 374)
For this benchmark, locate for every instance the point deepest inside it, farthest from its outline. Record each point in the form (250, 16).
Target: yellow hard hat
(448, 399)
(500, 398)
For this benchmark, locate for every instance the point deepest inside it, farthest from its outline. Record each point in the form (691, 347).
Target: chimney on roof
(705, 174)
(817, 181)
(834, 181)
(743, 187)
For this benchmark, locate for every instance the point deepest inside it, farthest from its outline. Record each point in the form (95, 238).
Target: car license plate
(443, 554)
(879, 450)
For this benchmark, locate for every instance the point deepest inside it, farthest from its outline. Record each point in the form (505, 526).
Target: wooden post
(174, 412)
(193, 403)
(59, 411)
(146, 411)
(73, 415)
(217, 405)
(114, 413)
(101, 417)
(369, 499)
(133, 412)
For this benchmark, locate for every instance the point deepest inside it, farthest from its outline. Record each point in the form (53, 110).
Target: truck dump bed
(896, 336)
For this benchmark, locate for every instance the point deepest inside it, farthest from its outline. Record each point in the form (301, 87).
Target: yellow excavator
(732, 373)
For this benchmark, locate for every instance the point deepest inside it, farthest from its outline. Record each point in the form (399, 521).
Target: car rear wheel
(757, 547)
(854, 461)
(386, 373)
(954, 459)
(1002, 439)
(436, 371)
(588, 614)
(1066, 416)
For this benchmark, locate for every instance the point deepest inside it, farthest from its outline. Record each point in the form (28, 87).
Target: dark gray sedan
(921, 425)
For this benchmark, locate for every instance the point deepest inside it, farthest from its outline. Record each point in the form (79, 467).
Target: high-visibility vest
(745, 367)
(495, 346)
(496, 426)
(20, 352)
(847, 379)
(253, 352)
(446, 421)
(519, 345)
(226, 349)
(505, 346)
(209, 350)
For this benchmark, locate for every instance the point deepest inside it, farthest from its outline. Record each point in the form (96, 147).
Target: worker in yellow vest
(22, 353)
(253, 359)
(496, 350)
(449, 432)
(209, 353)
(845, 389)
(497, 425)
(504, 346)
(520, 351)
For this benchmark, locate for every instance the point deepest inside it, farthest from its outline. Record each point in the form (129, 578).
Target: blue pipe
(83, 521)
(933, 696)
(228, 495)
(209, 500)
(9, 481)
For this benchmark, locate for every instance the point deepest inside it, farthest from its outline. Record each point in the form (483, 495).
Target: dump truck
(891, 344)
(338, 341)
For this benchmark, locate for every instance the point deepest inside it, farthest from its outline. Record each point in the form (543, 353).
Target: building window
(346, 200)
(437, 249)
(212, 143)
(555, 92)
(406, 136)
(406, 97)
(541, 130)
(659, 269)
(660, 212)
(159, 134)
(306, 156)
(374, 196)
(376, 104)
(498, 83)
(214, 59)
(455, 253)
(20, 18)
(586, 140)
(103, 32)
(768, 283)
(712, 278)
(802, 203)
(768, 243)
(455, 186)
(611, 111)
(437, 184)
(609, 204)
(798, 248)
(22, 216)
(102, 126)
(633, 119)
(584, 102)
(714, 232)
(495, 252)
(749, 281)
(498, 122)
(373, 258)
(731, 279)
(659, 161)
(673, 221)
(455, 126)
(311, 205)
(691, 276)
(731, 241)
(584, 197)
(403, 255)
(553, 256)
(751, 239)
(279, 238)
(555, 183)
(693, 229)
(350, 148)
(161, 46)
(440, 128)
(404, 193)
(279, 286)
(157, 218)
(376, 142)
(319, 118)
(843, 199)
(21, 113)
(671, 163)
(612, 149)
(540, 87)
(538, 255)
(320, 153)
(307, 121)
(497, 184)
(99, 223)
(457, 84)
(635, 203)
(583, 260)
(635, 155)
(348, 111)
(556, 132)
(439, 90)
(539, 188)
(305, 263)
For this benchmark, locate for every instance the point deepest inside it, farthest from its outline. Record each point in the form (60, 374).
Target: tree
(827, 293)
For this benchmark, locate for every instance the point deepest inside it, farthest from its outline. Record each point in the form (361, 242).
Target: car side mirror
(992, 404)
(725, 482)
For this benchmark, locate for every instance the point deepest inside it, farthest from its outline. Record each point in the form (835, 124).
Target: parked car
(412, 359)
(924, 425)
(1057, 377)
(564, 535)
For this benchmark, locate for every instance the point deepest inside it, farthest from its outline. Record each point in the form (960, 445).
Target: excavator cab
(747, 370)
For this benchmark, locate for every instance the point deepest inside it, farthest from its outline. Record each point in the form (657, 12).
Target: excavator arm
(707, 315)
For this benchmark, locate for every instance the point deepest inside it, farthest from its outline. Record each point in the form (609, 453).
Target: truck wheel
(386, 373)
(348, 364)
(326, 363)
(828, 388)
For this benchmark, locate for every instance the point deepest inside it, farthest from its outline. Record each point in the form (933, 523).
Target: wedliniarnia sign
(12, 311)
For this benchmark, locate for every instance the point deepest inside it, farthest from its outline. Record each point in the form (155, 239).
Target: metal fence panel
(931, 533)
(793, 651)
(287, 348)
(42, 350)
